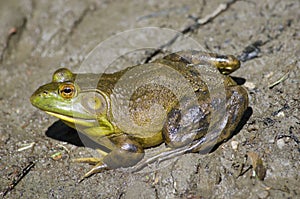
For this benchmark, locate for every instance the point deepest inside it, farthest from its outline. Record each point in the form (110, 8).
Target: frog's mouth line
(76, 121)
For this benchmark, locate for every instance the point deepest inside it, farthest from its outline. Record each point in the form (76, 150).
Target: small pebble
(280, 143)
(269, 75)
(252, 127)
(234, 145)
(4, 137)
(272, 141)
(280, 114)
(250, 85)
(263, 194)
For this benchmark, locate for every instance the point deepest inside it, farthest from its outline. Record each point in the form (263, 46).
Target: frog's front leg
(126, 152)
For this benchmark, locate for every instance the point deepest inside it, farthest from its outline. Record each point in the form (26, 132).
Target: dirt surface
(38, 37)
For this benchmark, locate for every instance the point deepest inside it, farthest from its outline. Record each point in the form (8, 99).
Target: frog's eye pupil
(67, 91)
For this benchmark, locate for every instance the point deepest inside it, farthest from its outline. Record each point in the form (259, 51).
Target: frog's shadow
(238, 80)
(60, 131)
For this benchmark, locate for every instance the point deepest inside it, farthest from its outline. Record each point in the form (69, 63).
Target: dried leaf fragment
(258, 166)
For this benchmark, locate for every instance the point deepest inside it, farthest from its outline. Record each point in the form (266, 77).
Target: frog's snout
(33, 99)
(36, 97)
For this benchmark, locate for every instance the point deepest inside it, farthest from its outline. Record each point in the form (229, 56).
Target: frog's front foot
(125, 153)
(99, 166)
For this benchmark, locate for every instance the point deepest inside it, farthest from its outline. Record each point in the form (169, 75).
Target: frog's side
(155, 112)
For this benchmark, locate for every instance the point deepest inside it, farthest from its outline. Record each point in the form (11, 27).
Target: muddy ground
(38, 37)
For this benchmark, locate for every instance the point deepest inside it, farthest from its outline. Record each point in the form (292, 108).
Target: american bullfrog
(165, 101)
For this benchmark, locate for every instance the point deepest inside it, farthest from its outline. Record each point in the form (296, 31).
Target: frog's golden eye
(67, 90)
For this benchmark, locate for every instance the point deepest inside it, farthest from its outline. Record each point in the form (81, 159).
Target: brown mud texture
(262, 160)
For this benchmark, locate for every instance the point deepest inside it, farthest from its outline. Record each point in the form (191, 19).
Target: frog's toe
(92, 160)
(96, 169)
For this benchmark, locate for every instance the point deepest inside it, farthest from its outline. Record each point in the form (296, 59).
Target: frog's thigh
(183, 126)
(235, 108)
(126, 153)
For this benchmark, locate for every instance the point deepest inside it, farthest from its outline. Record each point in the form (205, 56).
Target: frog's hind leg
(226, 64)
(236, 106)
(191, 124)
(184, 125)
(167, 154)
(223, 129)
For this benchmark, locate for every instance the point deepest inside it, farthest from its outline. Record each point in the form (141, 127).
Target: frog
(158, 109)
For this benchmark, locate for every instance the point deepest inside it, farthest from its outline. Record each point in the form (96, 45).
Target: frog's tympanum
(165, 101)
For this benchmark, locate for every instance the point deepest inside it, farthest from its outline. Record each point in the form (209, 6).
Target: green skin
(157, 111)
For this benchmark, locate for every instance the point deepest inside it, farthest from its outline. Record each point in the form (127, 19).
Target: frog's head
(65, 99)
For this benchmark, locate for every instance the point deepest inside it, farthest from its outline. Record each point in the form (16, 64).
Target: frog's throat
(72, 120)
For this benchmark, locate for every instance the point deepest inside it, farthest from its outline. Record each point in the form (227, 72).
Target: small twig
(64, 148)
(289, 67)
(281, 79)
(20, 176)
(222, 7)
(245, 171)
(285, 107)
(26, 146)
(199, 22)
(291, 136)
